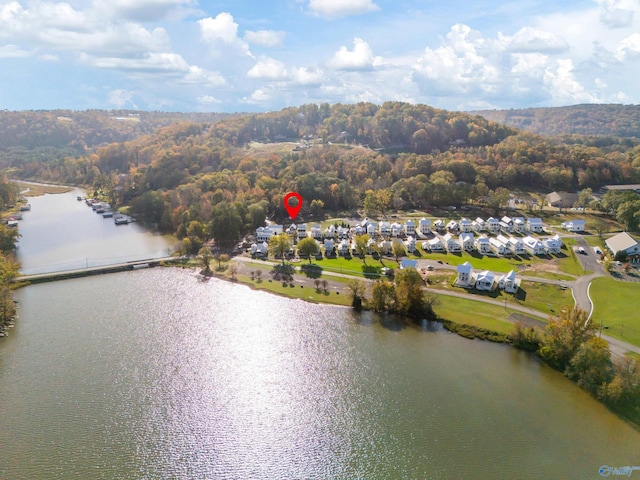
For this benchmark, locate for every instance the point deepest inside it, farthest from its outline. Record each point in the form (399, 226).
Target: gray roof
(619, 242)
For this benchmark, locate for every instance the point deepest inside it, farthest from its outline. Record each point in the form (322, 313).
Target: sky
(256, 56)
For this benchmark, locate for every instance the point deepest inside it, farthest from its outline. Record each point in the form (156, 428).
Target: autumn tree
(410, 296)
(564, 335)
(308, 247)
(279, 246)
(357, 288)
(361, 246)
(398, 249)
(205, 256)
(591, 365)
(382, 295)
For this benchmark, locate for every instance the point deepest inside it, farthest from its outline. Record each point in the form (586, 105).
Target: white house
(435, 245)
(466, 241)
(342, 232)
(535, 225)
(533, 245)
(453, 226)
(517, 246)
(410, 227)
(396, 229)
(505, 241)
(410, 245)
(509, 282)
(498, 247)
(465, 225)
(438, 225)
(574, 225)
(330, 231)
(302, 230)
(359, 230)
(519, 225)
(316, 231)
(263, 234)
(329, 247)
(506, 224)
(371, 246)
(493, 224)
(385, 247)
(623, 242)
(483, 245)
(372, 229)
(464, 274)
(484, 280)
(451, 243)
(425, 226)
(343, 247)
(385, 229)
(479, 225)
(259, 249)
(552, 244)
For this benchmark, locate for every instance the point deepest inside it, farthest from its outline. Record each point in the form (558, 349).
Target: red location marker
(292, 210)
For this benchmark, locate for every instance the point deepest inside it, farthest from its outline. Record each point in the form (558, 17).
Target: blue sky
(241, 55)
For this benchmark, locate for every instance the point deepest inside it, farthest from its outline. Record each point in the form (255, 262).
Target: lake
(156, 374)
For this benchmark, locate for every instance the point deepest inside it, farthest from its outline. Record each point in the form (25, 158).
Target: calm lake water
(60, 233)
(154, 374)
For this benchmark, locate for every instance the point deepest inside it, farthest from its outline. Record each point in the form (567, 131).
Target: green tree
(205, 256)
(410, 296)
(564, 335)
(584, 197)
(624, 390)
(8, 238)
(316, 206)
(591, 366)
(279, 246)
(225, 225)
(308, 247)
(398, 249)
(361, 246)
(382, 295)
(357, 288)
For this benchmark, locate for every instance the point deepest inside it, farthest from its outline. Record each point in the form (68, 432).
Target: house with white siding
(465, 225)
(517, 246)
(483, 245)
(498, 247)
(372, 229)
(552, 245)
(435, 245)
(385, 229)
(493, 224)
(479, 225)
(465, 275)
(396, 229)
(505, 240)
(409, 227)
(302, 230)
(425, 226)
(519, 225)
(466, 241)
(438, 225)
(410, 245)
(535, 225)
(453, 226)
(330, 231)
(343, 247)
(506, 224)
(509, 282)
(484, 280)
(329, 247)
(259, 249)
(385, 247)
(623, 243)
(576, 226)
(263, 234)
(342, 232)
(451, 243)
(533, 245)
(316, 231)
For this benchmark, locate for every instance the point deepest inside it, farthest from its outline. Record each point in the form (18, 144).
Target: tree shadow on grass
(371, 272)
(311, 271)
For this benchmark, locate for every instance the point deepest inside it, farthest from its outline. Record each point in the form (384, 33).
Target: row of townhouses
(486, 280)
(500, 245)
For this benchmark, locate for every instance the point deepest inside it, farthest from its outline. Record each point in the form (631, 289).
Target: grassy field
(616, 306)
(458, 310)
(570, 263)
(36, 190)
(540, 295)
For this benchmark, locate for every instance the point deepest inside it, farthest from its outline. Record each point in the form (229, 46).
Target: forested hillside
(597, 120)
(58, 133)
(220, 179)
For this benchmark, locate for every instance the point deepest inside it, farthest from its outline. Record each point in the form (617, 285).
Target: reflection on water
(152, 374)
(60, 233)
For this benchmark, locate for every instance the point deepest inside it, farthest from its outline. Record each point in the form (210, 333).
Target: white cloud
(139, 10)
(13, 51)
(268, 69)
(628, 48)
(222, 30)
(563, 86)
(617, 13)
(306, 76)
(529, 39)
(208, 100)
(341, 8)
(360, 58)
(265, 38)
(258, 96)
(120, 98)
(200, 76)
(47, 57)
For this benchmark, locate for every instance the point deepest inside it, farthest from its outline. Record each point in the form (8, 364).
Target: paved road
(579, 287)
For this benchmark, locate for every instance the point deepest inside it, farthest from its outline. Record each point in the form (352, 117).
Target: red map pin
(292, 210)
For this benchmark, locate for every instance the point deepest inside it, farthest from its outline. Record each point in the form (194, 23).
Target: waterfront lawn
(539, 296)
(474, 313)
(616, 305)
(355, 265)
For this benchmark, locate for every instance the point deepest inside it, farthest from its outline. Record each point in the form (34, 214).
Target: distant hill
(599, 120)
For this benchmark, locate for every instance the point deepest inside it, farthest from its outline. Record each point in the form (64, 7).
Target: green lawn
(540, 295)
(458, 310)
(616, 306)
(568, 262)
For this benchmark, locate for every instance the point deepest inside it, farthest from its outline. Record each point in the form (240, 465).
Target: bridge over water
(97, 270)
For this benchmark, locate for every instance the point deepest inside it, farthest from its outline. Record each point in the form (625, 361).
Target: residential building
(342, 232)
(451, 243)
(484, 280)
(410, 227)
(302, 230)
(343, 247)
(329, 247)
(533, 245)
(535, 225)
(466, 241)
(263, 234)
(506, 224)
(453, 226)
(410, 245)
(493, 224)
(330, 231)
(372, 229)
(517, 246)
(259, 249)
(483, 245)
(316, 231)
(396, 229)
(519, 225)
(435, 245)
(498, 247)
(425, 226)
(438, 225)
(505, 241)
(552, 245)
(623, 243)
(574, 225)
(509, 282)
(464, 274)
(385, 229)
(385, 247)
(465, 225)
(479, 225)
